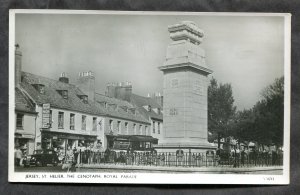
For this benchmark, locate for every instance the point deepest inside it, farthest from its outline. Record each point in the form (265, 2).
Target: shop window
(72, 121)
(83, 122)
(153, 126)
(20, 121)
(126, 127)
(119, 126)
(158, 128)
(60, 120)
(94, 123)
(111, 125)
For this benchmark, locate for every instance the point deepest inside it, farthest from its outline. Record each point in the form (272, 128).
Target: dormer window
(83, 98)
(113, 106)
(149, 108)
(125, 108)
(63, 93)
(158, 111)
(103, 103)
(132, 110)
(40, 88)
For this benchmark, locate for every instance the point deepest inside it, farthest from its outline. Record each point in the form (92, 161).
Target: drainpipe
(35, 132)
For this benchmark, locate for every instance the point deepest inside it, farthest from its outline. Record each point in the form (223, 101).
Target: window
(94, 123)
(20, 120)
(134, 128)
(111, 125)
(83, 122)
(126, 127)
(158, 127)
(153, 126)
(119, 126)
(141, 128)
(158, 111)
(50, 119)
(146, 130)
(83, 98)
(60, 120)
(149, 108)
(72, 121)
(63, 93)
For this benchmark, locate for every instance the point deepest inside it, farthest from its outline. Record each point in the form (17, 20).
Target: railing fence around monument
(179, 160)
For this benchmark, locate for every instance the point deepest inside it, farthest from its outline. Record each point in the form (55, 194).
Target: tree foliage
(264, 122)
(221, 109)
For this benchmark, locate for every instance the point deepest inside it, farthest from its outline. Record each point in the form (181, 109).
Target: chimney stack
(63, 78)
(18, 65)
(121, 90)
(86, 83)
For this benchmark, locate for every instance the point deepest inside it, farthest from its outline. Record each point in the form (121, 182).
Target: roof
(120, 110)
(73, 102)
(51, 95)
(23, 103)
(141, 101)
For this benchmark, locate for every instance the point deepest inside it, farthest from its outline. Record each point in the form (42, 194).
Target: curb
(181, 169)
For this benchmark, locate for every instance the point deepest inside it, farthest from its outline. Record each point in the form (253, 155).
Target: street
(48, 168)
(55, 169)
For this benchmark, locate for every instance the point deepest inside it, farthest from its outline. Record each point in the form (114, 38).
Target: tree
(263, 123)
(221, 109)
(270, 114)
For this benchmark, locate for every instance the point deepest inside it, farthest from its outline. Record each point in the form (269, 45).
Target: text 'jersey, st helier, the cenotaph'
(185, 90)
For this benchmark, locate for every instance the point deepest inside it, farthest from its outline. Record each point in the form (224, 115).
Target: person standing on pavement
(18, 156)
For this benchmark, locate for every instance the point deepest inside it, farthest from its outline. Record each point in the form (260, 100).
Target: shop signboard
(46, 116)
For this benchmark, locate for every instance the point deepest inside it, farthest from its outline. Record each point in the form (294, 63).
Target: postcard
(149, 97)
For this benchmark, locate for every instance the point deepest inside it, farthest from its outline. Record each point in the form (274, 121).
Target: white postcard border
(150, 178)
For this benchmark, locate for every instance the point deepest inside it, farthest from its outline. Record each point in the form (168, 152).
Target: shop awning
(134, 138)
(64, 135)
(24, 136)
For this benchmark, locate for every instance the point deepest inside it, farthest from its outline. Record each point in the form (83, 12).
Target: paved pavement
(108, 168)
(48, 168)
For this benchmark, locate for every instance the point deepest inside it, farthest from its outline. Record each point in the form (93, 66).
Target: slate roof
(141, 101)
(120, 108)
(23, 103)
(73, 102)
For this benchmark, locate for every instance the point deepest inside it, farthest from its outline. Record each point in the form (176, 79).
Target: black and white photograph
(149, 97)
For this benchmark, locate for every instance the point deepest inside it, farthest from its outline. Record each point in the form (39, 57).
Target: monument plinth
(185, 91)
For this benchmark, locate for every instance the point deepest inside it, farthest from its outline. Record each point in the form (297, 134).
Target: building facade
(75, 115)
(25, 123)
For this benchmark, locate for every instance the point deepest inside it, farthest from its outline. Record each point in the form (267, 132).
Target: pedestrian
(18, 156)
(69, 159)
(243, 154)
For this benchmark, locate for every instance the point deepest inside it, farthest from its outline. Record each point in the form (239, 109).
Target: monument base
(187, 147)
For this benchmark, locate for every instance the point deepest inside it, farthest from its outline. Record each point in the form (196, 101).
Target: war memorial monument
(185, 91)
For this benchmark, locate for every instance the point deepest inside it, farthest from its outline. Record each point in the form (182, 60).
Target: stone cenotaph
(185, 91)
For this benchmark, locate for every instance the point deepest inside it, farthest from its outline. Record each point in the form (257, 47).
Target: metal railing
(183, 160)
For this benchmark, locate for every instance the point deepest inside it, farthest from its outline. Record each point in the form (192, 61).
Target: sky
(245, 51)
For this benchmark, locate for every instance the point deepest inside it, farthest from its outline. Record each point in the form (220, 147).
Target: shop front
(25, 142)
(131, 142)
(59, 141)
